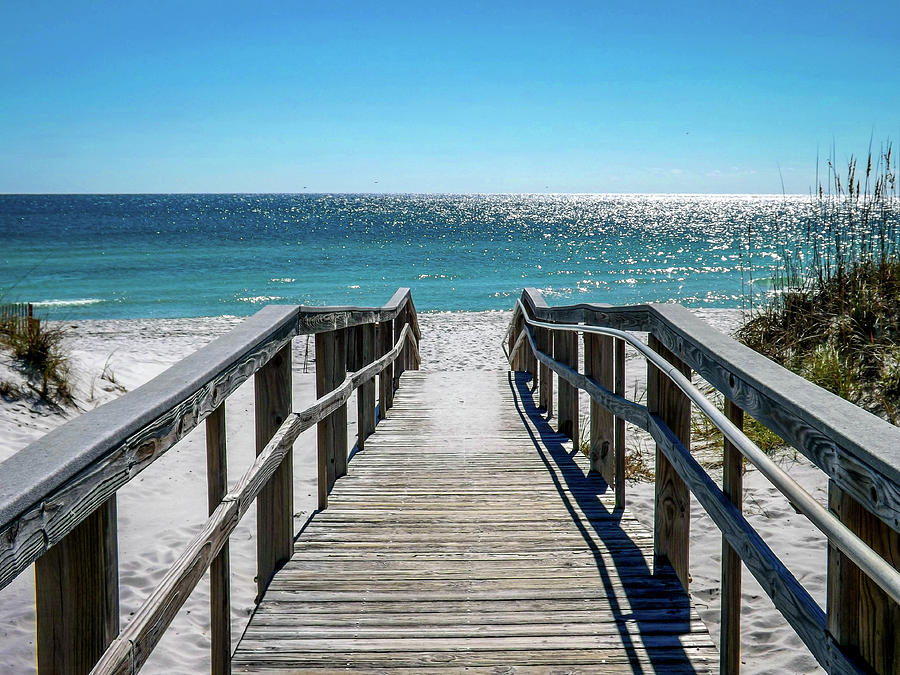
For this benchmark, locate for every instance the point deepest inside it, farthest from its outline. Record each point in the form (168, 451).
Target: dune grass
(834, 316)
(39, 353)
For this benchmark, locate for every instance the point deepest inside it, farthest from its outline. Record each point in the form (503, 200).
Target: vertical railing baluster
(77, 595)
(385, 338)
(732, 486)
(275, 503)
(331, 369)
(672, 513)
(565, 350)
(545, 344)
(219, 570)
(598, 364)
(620, 424)
(365, 395)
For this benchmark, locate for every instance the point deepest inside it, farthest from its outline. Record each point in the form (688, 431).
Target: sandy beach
(164, 506)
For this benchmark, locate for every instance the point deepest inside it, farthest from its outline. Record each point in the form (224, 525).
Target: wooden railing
(860, 453)
(58, 495)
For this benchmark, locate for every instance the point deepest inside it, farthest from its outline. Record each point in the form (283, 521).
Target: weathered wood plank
(365, 395)
(77, 595)
(565, 350)
(733, 488)
(672, 511)
(275, 504)
(220, 568)
(332, 431)
(598, 364)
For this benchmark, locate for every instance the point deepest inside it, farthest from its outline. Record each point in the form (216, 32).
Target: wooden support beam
(565, 350)
(733, 487)
(275, 503)
(672, 513)
(385, 379)
(331, 370)
(598, 365)
(77, 595)
(860, 616)
(619, 384)
(365, 395)
(401, 362)
(220, 569)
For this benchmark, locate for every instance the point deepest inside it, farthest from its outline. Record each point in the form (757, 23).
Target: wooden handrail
(57, 496)
(836, 652)
(133, 646)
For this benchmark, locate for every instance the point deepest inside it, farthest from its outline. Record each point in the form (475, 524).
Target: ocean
(182, 255)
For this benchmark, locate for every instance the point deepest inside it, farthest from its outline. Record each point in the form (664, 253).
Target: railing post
(565, 350)
(732, 486)
(672, 513)
(219, 570)
(275, 503)
(598, 364)
(386, 378)
(365, 395)
(544, 342)
(400, 363)
(620, 424)
(77, 595)
(331, 369)
(861, 617)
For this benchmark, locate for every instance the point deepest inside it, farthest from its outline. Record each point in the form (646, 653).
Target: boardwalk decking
(467, 537)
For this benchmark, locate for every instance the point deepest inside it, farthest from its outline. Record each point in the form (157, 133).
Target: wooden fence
(58, 495)
(16, 315)
(860, 453)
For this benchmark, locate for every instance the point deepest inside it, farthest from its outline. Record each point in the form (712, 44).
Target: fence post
(860, 616)
(365, 395)
(732, 486)
(545, 344)
(620, 424)
(400, 363)
(672, 513)
(77, 595)
(331, 369)
(598, 364)
(565, 350)
(385, 390)
(219, 570)
(275, 503)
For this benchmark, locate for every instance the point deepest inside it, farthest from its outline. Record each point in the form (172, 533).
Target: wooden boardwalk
(467, 537)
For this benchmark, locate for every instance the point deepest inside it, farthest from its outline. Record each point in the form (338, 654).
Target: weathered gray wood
(672, 512)
(401, 363)
(732, 487)
(565, 350)
(275, 504)
(220, 568)
(620, 424)
(77, 595)
(861, 617)
(858, 450)
(332, 431)
(365, 395)
(47, 488)
(326, 319)
(385, 337)
(598, 364)
(375, 575)
(133, 646)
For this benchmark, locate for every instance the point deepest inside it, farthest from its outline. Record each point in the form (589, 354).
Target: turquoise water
(129, 256)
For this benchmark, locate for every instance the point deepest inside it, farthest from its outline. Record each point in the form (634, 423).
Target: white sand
(163, 507)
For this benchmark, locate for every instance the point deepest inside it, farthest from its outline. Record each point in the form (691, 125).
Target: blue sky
(440, 97)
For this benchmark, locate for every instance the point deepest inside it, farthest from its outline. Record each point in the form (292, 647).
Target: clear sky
(445, 96)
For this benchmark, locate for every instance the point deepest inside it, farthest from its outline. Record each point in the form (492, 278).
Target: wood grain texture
(672, 511)
(733, 488)
(365, 395)
(451, 574)
(122, 438)
(598, 364)
(385, 336)
(619, 390)
(77, 595)
(332, 431)
(220, 568)
(275, 504)
(565, 350)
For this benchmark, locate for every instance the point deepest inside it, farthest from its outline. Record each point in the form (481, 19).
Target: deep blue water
(128, 256)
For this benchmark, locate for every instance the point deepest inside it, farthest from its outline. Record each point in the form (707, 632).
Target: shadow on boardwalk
(580, 494)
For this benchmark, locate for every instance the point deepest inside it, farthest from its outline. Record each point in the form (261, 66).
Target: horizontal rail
(839, 534)
(50, 486)
(128, 652)
(856, 449)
